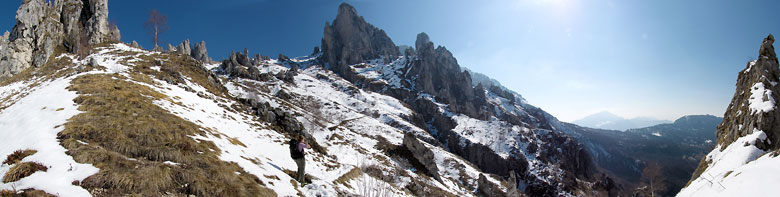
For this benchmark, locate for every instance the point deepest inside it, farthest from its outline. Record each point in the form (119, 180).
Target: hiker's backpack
(294, 153)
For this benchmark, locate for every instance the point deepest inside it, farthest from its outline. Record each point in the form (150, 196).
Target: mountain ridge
(607, 120)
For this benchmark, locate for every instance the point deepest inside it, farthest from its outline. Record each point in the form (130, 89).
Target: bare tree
(156, 25)
(653, 177)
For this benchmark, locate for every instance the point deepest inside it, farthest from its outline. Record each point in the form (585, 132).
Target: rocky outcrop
(197, 51)
(184, 48)
(41, 26)
(200, 53)
(94, 16)
(171, 48)
(351, 40)
(487, 188)
(422, 154)
(753, 106)
(135, 44)
(241, 66)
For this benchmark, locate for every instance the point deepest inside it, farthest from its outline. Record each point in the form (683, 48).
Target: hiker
(297, 153)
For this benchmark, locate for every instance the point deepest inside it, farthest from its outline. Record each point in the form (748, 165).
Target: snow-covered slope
(358, 131)
(737, 170)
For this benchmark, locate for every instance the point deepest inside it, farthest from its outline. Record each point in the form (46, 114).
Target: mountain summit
(747, 139)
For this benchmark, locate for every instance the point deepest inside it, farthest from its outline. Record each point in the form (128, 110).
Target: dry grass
(120, 122)
(346, 177)
(174, 68)
(22, 170)
(18, 155)
(25, 193)
(7, 193)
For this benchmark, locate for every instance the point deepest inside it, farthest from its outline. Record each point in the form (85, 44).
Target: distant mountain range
(677, 147)
(607, 120)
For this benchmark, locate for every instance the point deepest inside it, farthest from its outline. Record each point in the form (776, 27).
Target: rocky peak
(43, 25)
(753, 106)
(351, 40)
(423, 44)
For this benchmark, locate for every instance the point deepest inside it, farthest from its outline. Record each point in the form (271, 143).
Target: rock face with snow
(489, 128)
(41, 26)
(754, 103)
(437, 72)
(747, 139)
(351, 40)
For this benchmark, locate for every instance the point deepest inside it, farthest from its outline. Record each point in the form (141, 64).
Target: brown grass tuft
(18, 155)
(22, 170)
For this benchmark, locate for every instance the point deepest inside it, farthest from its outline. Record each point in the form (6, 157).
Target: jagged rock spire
(351, 40)
(754, 105)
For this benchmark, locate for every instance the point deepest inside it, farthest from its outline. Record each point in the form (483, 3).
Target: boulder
(487, 188)
(422, 154)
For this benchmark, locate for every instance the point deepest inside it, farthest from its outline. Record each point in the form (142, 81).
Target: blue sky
(572, 58)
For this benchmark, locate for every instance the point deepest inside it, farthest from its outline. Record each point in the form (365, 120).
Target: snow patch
(761, 99)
